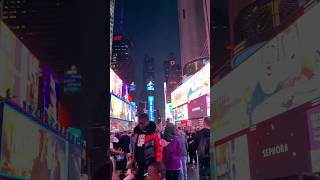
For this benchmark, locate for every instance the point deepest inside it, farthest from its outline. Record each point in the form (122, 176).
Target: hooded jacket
(150, 149)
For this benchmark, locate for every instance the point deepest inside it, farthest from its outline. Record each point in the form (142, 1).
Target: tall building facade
(194, 25)
(122, 62)
(172, 72)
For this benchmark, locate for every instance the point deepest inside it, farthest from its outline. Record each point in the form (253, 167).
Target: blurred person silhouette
(202, 144)
(171, 152)
(184, 153)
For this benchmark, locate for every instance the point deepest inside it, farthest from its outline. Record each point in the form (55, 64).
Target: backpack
(204, 151)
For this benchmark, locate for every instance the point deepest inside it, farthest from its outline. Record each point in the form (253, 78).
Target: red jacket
(150, 134)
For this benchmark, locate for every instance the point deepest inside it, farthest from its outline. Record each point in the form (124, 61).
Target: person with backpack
(202, 144)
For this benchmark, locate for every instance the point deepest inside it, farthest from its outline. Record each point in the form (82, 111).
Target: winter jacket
(172, 155)
(151, 150)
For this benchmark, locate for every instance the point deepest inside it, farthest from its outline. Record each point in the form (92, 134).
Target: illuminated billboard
(280, 142)
(168, 109)
(286, 75)
(115, 83)
(197, 108)
(313, 116)
(51, 95)
(198, 85)
(120, 109)
(232, 159)
(45, 159)
(150, 86)
(151, 108)
(181, 113)
(19, 70)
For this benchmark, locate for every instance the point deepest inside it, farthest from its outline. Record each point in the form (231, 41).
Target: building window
(184, 14)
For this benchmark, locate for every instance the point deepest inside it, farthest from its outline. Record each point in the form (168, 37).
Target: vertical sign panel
(151, 108)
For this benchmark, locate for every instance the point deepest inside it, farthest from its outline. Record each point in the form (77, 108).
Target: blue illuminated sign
(150, 86)
(151, 108)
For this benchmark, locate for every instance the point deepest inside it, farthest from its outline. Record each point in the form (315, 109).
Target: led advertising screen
(197, 108)
(279, 143)
(198, 85)
(181, 113)
(46, 159)
(19, 70)
(115, 83)
(168, 110)
(286, 75)
(313, 116)
(51, 93)
(118, 125)
(120, 109)
(75, 153)
(232, 159)
(150, 86)
(151, 108)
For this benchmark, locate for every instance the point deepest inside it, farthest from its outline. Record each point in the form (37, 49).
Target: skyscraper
(172, 72)
(194, 23)
(121, 62)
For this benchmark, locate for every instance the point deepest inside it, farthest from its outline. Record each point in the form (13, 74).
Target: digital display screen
(19, 70)
(75, 153)
(115, 83)
(121, 110)
(118, 125)
(181, 113)
(151, 108)
(150, 86)
(197, 108)
(45, 159)
(232, 159)
(313, 116)
(51, 95)
(280, 142)
(286, 75)
(196, 86)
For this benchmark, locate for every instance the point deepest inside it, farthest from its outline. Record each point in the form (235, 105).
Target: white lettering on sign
(196, 109)
(282, 148)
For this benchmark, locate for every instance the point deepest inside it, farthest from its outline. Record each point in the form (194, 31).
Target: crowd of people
(153, 152)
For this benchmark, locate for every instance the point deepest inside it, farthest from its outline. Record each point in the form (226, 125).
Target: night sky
(153, 27)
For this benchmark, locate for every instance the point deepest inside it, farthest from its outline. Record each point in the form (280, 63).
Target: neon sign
(151, 108)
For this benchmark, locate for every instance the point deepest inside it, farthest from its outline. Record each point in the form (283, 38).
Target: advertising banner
(118, 125)
(198, 108)
(279, 143)
(19, 70)
(74, 169)
(120, 109)
(232, 159)
(115, 83)
(51, 92)
(181, 113)
(286, 75)
(314, 136)
(151, 108)
(45, 159)
(196, 86)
